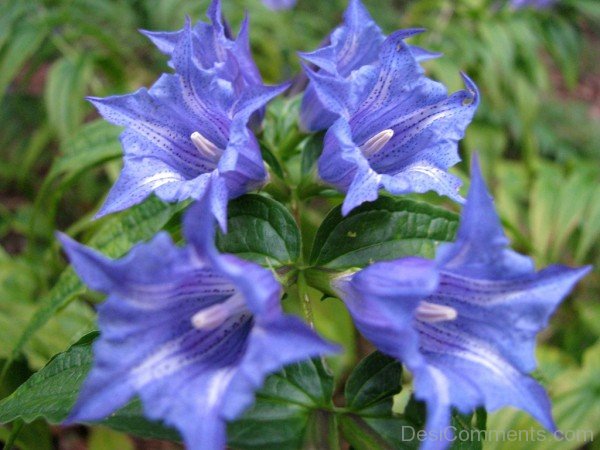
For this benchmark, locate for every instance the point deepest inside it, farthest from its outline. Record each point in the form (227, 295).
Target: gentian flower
(352, 46)
(279, 4)
(184, 128)
(536, 4)
(464, 324)
(397, 129)
(213, 47)
(193, 332)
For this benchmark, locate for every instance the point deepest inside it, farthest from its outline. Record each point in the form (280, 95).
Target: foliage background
(537, 132)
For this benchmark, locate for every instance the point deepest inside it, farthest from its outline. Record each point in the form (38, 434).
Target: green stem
(305, 299)
(14, 433)
(320, 279)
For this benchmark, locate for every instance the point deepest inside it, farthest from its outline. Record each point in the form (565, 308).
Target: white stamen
(376, 143)
(204, 146)
(214, 316)
(430, 312)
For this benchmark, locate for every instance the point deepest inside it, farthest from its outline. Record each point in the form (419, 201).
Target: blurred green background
(537, 132)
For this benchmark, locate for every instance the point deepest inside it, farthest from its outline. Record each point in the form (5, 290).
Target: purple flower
(465, 324)
(397, 130)
(213, 47)
(352, 46)
(536, 4)
(279, 4)
(193, 332)
(186, 127)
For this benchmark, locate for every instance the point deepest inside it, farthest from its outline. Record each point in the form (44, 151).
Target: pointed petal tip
(576, 274)
(106, 209)
(406, 33)
(472, 89)
(347, 208)
(94, 100)
(213, 12)
(477, 181)
(65, 240)
(187, 25)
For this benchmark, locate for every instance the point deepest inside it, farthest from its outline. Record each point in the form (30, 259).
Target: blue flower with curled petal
(187, 126)
(213, 47)
(353, 45)
(193, 332)
(279, 4)
(397, 129)
(465, 324)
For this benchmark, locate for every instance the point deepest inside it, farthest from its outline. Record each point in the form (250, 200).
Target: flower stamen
(377, 142)
(214, 316)
(205, 146)
(432, 313)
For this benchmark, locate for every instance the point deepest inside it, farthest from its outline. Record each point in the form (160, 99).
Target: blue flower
(187, 126)
(464, 324)
(193, 332)
(352, 46)
(279, 4)
(213, 47)
(397, 129)
(536, 4)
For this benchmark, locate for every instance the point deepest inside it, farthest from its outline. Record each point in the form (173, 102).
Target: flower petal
(520, 307)
(279, 4)
(382, 300)
(294, 342)
(481, 248)
(478, 374)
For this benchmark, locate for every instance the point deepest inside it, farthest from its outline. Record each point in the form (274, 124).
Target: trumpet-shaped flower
(464, 324)
(187, 126)
(352, 46)
(213, 47)
(397, 130)
(193, 332)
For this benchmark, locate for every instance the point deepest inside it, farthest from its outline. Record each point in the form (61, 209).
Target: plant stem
(305, 299)
(12, 437)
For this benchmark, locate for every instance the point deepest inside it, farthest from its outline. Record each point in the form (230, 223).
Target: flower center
(214, 316)
(206, 148)
(376, 143)
(432, 313)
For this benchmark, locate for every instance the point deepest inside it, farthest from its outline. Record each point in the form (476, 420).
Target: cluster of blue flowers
(195, 332)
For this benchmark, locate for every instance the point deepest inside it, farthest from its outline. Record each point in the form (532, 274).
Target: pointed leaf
(384, 229)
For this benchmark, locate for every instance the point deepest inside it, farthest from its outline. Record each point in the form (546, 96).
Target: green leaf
(118, 234)
(373, 383)
(313, 147)
(291, 406)
(262, 230)
(51, 393)
(64, 93)
(271, 161)
(93, 144)
(385, 229)
(25, 40)
(370, 423)
(375, 433)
